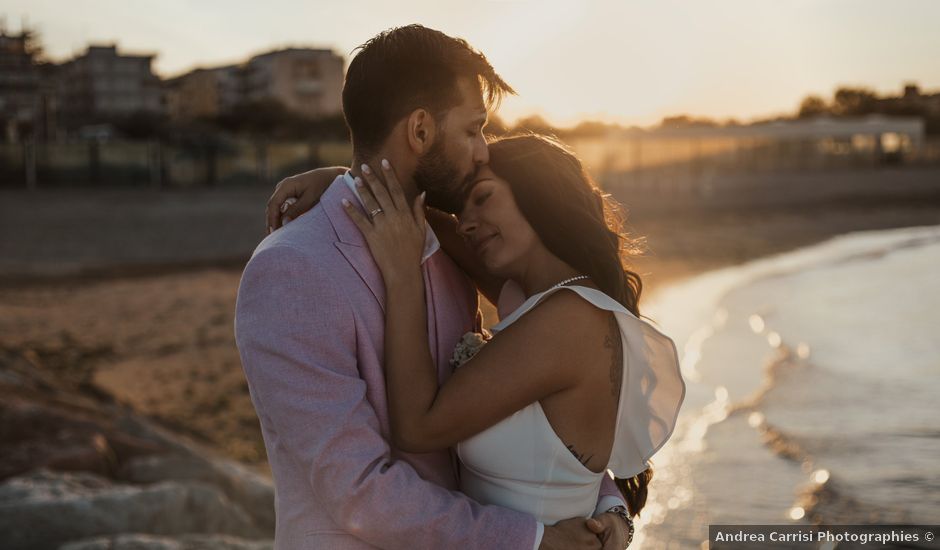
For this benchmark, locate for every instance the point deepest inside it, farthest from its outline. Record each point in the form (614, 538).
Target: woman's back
(548, 458)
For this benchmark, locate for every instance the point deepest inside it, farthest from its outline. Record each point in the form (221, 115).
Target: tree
(263, 118)
(813, 106)
(591, 128)
(495, 126)
(142, 125)
(686, 121)
(854, 102)
(535, 123)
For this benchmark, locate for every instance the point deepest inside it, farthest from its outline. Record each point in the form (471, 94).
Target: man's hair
(407, 68)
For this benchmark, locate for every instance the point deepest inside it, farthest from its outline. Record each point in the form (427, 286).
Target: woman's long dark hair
(579, 224)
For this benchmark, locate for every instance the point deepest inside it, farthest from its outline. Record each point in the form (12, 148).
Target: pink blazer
(309, 326)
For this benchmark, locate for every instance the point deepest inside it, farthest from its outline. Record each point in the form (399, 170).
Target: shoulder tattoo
(613, 342)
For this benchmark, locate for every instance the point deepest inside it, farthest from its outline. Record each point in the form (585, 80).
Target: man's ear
(422, 131)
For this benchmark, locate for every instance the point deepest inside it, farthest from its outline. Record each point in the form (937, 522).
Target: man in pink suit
(310, 324)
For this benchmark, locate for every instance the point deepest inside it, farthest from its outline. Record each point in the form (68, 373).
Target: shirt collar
(431, 243)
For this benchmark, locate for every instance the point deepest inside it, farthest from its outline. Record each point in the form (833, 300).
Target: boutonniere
(468, 346)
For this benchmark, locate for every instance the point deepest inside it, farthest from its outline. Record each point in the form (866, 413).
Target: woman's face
(494, 227)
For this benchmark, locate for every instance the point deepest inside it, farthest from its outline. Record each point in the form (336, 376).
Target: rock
(45, 509)
(43, 427)
(252, 492)
(74, 467)
(185, 542)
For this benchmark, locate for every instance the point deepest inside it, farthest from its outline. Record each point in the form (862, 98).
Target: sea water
(813, 390)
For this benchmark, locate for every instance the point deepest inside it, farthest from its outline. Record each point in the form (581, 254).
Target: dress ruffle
(653, 389)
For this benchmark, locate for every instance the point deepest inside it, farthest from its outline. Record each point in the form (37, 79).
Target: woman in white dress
(573, 383)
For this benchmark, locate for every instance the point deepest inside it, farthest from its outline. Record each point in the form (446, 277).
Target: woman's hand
(295, 195)
(394, 230)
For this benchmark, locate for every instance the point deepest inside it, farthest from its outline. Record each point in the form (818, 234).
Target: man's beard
(437, 175)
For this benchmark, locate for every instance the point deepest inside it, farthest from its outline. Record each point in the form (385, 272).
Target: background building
(103, 85)
(27, 99)
(204, 93)
(306, 81)
(913, 100)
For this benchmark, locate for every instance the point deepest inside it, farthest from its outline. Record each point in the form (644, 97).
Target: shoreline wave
(695, 312)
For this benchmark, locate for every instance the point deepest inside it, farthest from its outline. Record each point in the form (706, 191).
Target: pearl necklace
(566, 281)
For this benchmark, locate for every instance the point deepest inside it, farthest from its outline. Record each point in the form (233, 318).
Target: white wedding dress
(520, 463)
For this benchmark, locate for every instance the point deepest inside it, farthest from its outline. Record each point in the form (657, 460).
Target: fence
(659, 164)
(159, 165)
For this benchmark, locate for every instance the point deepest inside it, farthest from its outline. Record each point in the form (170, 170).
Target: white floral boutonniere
(468, 346)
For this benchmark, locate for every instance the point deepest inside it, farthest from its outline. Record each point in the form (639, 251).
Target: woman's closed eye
(481, 198)
(475, 130)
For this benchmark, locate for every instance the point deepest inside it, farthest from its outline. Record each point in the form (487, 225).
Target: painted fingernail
(358, 181)
(345, 202)
(423, 193)
(366, 169)
(385, 164)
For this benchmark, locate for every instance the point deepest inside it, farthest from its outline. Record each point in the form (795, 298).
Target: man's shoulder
(303, 250)
(310, 235)
(294, 266)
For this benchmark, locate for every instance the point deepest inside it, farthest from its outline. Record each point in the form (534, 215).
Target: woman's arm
(445, 227)
(306, 188)
(537, 356)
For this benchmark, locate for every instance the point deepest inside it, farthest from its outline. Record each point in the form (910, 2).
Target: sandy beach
(156, 335)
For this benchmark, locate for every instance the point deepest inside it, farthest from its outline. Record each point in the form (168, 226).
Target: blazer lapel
(351, 243)
(430, 294)
(361, 260)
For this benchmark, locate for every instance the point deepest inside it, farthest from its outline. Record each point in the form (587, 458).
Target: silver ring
(375, 212)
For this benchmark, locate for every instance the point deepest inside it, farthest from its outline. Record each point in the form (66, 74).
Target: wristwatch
(625, 516)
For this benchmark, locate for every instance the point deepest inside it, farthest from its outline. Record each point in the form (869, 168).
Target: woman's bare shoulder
(566, 321)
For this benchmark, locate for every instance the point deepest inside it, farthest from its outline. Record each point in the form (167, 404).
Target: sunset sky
(619, 60)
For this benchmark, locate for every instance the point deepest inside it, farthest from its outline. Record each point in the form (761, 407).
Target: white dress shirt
(431, 244)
